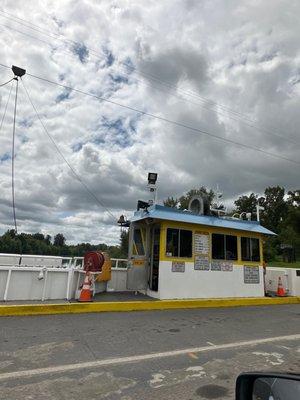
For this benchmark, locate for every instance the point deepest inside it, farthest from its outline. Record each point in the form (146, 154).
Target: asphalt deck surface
(79, 349)
(99, 297)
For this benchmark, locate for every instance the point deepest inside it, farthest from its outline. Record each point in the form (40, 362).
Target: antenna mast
(18, 73)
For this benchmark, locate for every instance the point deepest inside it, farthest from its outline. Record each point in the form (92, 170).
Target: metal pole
(13, 157)
(155, 196)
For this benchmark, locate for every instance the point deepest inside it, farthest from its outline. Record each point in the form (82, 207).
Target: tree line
(37, 243)
(280, 214)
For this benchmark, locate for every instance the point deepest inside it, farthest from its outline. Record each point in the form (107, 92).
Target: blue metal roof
(172, 214)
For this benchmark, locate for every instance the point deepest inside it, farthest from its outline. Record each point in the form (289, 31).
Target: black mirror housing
(246, 383)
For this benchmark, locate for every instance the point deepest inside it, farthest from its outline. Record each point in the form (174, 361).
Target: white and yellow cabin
(176, 254)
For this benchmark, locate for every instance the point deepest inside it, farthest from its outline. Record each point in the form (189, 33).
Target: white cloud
(243, 56)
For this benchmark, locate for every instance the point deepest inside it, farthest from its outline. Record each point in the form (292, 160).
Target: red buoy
(93, 261)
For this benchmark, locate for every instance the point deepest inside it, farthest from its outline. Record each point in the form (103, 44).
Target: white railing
(116, 262)
(37, 277)
(28, 260)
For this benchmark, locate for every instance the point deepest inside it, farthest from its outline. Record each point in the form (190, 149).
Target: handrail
(70, 270)
(65, 261)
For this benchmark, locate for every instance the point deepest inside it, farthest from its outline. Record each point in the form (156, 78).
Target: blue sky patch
(63, 96)
(5, 157)
(117, 131)
(25, 123)
(118, 78)
(109, 57)
(24, 139)
(128, 64)
(77, 147)
(81, 51)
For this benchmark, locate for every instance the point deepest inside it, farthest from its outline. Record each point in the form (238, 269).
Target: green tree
(59, 240)
(124, 239)
(290, 226)
(48, 239)
(171, 202)
(37, 243)
(294, 198)
(9, 243)
(183, 201)
(246, 204)
(275, 208)
(38, 236)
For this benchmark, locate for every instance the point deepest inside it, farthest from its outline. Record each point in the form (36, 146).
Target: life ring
(93, 261)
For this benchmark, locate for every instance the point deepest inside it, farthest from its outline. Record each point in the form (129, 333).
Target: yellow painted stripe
(77, 308)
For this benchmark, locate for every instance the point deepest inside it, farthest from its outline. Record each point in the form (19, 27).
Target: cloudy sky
(229, 68)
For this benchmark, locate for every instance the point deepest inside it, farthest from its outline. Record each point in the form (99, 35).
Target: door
(154, 258)
(137, 265)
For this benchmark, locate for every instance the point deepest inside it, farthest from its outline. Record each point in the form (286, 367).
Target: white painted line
(210, 343)
(143, 357)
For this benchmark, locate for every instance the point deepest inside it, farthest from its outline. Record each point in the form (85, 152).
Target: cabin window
(231, 247)
(224, 247)
(179, 243)
(138, 243)
(250, 249)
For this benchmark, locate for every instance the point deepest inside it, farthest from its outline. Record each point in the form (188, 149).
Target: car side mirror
(267, 386)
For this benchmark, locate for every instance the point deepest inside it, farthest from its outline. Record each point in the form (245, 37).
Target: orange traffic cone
(280, 289)
(86, 293)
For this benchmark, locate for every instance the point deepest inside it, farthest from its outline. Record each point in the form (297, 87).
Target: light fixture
(18, 71)
(142, 205)
(123, 221)
(152, 178)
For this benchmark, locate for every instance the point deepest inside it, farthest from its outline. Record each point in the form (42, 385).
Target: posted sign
(201, 262)
(251, 274)
(178, 266)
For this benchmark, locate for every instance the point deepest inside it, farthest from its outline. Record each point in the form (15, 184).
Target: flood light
(152, 178)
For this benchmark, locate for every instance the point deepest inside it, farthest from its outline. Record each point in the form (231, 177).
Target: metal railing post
(45, 283)
(7, 285)
(70, 275)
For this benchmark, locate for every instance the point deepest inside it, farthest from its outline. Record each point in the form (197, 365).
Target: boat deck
(99, 297)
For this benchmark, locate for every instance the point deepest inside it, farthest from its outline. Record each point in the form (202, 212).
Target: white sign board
(178, 266)
(201, 241)
(201, 263)
(251, 274)
(222, 266)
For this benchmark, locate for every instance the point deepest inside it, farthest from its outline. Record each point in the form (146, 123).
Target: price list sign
(201, 263)
(201, 243)
(201, 249)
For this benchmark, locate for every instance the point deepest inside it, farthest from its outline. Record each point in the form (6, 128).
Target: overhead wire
(61, 37)
(75, 174)
(176, 123)
(236, 116)
(13, 156)
(5, 108)
(5, 83)
(181, 98)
